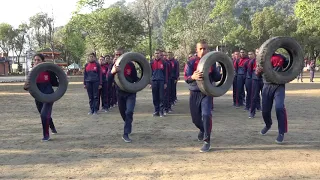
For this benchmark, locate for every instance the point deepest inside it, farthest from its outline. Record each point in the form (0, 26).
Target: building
(4, 64)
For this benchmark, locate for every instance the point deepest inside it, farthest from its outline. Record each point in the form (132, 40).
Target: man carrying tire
(200, 104)
(158, 83)
(93, 82)
(272, 91)
(126, 100)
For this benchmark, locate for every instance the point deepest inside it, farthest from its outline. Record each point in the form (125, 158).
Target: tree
(7, 35)
(19, 42)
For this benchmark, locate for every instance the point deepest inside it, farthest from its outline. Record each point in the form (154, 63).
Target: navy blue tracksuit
(257, 85)
(45, 81)
(234, 84)
(126, 101)
(92, 80)
(248, 84)
(174, 79)
(200, 104)
(158, 79)
(241, 77)
(167, 91)
(275, 92)
(103, 92)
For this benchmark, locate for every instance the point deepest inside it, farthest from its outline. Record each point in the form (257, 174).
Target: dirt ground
(162, 148)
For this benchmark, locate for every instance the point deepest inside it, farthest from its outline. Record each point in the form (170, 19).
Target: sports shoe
(246, 109)
(155, 114)
(95, 113)
(206, 147)
(169, 110)
(46, 139)
(264, 130)
(90, 113)
(161, 114)
(54, 131)
(200, 136)
(280, 138)
(251, 116)
(126, 138)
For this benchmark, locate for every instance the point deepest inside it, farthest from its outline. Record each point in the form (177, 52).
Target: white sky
(15, 12)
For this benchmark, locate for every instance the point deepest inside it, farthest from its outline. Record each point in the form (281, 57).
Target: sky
(15, 12)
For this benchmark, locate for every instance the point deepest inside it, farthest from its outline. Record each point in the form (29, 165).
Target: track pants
(274, 92)
(103, 96)
(158, 95)
(126, 104)
(234, 90)
(248, 85)
(167, 95)
(257, 86)
(200, 108)
(45, 110)
(311, 76)
(93, 93)
(240, 90)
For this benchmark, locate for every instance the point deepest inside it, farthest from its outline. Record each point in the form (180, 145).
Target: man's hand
(85, 87)
(26, 86)
(197, 75)
(150, 86)
(165, 86)
(175, 81)
(115, 69)
(259, 70)
(100, 86)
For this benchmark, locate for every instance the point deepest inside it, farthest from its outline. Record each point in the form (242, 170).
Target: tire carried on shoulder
(62, 78)
(296, 60)
(121, 80)
(205, 64)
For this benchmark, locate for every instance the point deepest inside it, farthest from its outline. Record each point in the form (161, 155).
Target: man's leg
(234, 91)
(130, 105)
(249, 92)
(279, 97)
(240, 89)
(255, 92)
(267, 102)
(95, 90)
(161, 97)
(155, 97)
(195, 110)
(206, 115)
(89, 87)
(45, 119)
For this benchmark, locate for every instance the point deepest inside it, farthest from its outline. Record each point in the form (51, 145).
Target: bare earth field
(162, 148)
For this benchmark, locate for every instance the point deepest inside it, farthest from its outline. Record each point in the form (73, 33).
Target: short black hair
(93, 54)
(119, 49)
(41, 56)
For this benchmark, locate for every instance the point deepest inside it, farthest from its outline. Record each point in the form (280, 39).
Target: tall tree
(19, 42)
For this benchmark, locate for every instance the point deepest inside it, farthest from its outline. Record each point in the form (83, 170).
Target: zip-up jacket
(92, 73)
(45, 81)
(240, 66)
(278, 62)
(175, 69)
(159, 69)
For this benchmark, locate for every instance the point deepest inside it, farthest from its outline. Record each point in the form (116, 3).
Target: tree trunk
(150, 39)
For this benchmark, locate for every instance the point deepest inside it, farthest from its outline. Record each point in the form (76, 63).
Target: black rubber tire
(213, 89)
(296, 61)
(121, 80)
(62, 78)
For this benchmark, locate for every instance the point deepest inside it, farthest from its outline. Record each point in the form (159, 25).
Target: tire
(62, 78)
(296, 61)
(121, 80)
(205, 63)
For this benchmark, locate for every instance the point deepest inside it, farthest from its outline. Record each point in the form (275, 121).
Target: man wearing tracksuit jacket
(158, 83)
(257, 85)
(200, 104)
(93, 82)
(241, 77)
(276, 92)
(174, 77)
(248, 82)
(234, 84)
(103, 92)
(167, 94)
(126, 100)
